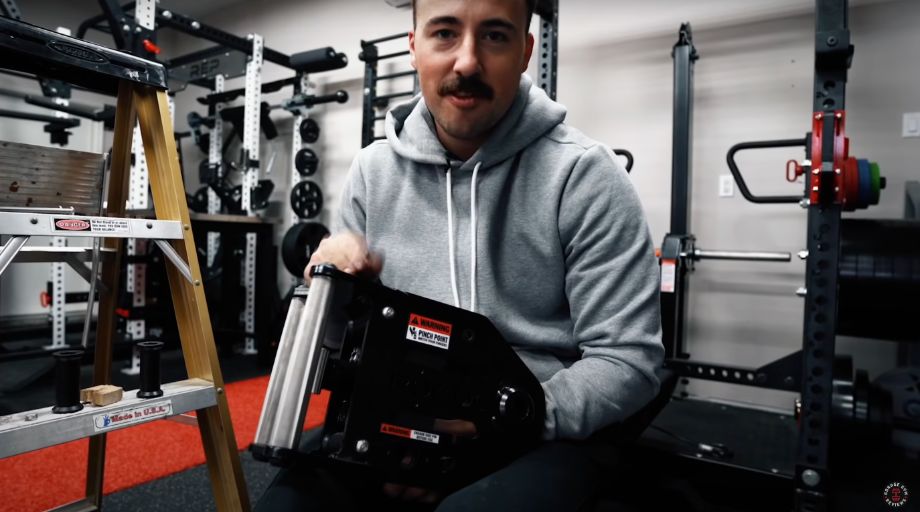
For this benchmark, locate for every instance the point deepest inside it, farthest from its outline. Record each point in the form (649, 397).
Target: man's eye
(496, 36)
(443, 34)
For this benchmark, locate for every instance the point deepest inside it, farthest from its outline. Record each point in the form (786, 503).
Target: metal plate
(44, 177)
(230, 64)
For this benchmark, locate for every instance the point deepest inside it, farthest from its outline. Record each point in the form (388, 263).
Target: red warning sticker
(428, 331)
(409, 433)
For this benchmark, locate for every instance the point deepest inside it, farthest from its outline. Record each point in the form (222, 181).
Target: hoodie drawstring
(450, 239)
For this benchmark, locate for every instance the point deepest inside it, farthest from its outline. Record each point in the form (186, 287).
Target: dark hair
(531, 7)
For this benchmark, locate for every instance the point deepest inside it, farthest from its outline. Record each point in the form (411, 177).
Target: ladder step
(42, 224)
(32, 430)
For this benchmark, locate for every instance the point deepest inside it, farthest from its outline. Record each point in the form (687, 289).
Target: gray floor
(187, 490)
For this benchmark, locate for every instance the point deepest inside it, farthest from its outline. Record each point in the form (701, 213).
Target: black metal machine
(398, 368)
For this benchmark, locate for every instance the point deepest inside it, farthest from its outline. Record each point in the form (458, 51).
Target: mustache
(472, 85)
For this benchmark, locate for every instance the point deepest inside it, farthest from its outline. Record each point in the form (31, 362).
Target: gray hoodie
(542, 233)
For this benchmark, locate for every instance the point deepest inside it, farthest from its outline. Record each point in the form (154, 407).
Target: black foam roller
(320, 59)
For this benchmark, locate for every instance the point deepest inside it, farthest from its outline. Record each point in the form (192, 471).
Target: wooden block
(104, 394)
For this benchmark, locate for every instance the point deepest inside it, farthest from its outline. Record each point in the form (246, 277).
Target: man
(482, 198)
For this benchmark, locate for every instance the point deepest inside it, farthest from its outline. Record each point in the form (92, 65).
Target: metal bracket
(175, 259)
(9, 251)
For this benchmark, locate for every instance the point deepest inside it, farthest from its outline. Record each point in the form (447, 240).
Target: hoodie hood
(411, 133)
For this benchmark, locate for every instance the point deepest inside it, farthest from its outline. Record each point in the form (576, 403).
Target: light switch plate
(911, 126)
(726, 185)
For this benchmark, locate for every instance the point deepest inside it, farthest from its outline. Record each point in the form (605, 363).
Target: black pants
(557, 476)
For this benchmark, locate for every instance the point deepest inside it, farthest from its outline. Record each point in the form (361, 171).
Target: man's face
(469, 55)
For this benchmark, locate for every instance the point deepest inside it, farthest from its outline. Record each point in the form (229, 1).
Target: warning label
(71, 225)
(110, 225)
(668, 275)
(428, 331)
(409, 433)
(95, 225)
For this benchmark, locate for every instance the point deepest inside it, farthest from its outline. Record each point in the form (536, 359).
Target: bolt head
(362, 446)
(811, 477)
(804, 202)
(388, 312)
(803, 255)
(167, 14)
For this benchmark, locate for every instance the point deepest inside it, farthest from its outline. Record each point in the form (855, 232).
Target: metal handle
(742, 186)
(700, 254)
(628, 155)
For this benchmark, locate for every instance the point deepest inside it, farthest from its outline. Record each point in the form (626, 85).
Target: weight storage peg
(149, 352)
(67, 381)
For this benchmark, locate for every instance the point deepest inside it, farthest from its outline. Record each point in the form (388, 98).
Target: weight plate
(199, 201)
(306, 199)
(876, 176)
(306, 162)
(298, 245)
(309, 131)
(865, 183)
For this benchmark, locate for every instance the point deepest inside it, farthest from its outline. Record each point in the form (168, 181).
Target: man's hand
(349, 253)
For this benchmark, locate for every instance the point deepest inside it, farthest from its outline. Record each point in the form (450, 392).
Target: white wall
(753, 82)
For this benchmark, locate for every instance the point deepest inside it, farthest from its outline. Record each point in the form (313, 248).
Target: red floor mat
(54, 476)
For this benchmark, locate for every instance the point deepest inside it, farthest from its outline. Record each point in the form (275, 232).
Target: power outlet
(726, 185)
(911, 125)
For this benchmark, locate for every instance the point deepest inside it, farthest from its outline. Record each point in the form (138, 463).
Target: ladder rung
(42, 224)
(40, 428)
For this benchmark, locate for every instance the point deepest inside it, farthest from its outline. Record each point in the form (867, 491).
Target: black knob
(514, 407)
(67, 381)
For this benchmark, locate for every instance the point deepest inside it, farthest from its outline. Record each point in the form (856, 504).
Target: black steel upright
(833, 54)
(684, 55)
(679, 240)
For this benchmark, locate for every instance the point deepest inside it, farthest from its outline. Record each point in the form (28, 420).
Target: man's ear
(412, 48)
(528, 51)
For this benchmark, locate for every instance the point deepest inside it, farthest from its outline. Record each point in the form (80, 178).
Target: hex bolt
(167, 14)
(196, 25)
(388, 312)
(362, 446)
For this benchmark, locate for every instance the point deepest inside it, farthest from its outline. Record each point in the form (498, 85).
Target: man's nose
(467, 62)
